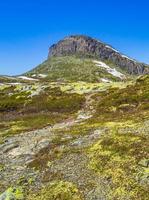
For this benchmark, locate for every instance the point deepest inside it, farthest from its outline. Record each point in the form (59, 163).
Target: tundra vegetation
(74, 140)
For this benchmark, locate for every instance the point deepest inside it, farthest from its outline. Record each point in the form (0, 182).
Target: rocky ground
(89, 154)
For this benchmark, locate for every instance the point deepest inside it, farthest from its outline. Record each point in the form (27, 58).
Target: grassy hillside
(72, 68)
(25, 108)
(122, 155)
(130, 102)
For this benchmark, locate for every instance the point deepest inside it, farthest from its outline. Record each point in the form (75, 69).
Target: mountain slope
(86, 46)
(73, 68)
(76, 127)
(82, 58)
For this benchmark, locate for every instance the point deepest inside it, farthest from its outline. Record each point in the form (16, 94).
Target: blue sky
(29, 27)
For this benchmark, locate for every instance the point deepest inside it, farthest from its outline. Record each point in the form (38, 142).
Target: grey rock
(3, 196)
(144, 163)
(10, 147)
(86, 46)
(11, 195)
(7, 196)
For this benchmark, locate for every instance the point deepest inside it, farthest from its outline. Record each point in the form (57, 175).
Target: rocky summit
(86, 46)
(76, 127)
(81, 58)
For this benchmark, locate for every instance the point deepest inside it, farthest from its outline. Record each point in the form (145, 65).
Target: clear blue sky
(29, 27)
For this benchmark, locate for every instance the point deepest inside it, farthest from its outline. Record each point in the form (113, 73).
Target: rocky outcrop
(88, 47)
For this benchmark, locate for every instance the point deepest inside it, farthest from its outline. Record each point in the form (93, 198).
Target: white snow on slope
(112, 48)
(124, 56)
(110, 70)
(128, 58)
(43, 75)
(13, 83)
(27, 78)
(34, 75)
(40, 75)
(105, 80)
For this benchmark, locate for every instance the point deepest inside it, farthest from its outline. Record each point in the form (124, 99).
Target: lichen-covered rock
(58, 191)
(12, 194)
(144, 162)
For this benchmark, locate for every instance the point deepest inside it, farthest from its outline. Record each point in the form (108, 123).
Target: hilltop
(82, 58)
(85, 46)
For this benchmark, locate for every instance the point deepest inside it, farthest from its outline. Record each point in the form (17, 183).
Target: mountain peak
(79, 36)
(86, 46)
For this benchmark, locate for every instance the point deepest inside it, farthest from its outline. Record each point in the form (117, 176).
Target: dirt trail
(20, 150)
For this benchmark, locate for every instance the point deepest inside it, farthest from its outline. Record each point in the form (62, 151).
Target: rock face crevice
(88, 47)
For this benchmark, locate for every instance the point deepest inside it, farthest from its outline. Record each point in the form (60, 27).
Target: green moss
(128, 103)
(30, 122)
(81, 87)
(11, 101)
(54, 100)
(72, 68)
(58, 190)
(13, 193)
(116, 157)
(48, 107)
(2, 167)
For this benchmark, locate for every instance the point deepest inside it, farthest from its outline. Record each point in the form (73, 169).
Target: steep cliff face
(86, 46)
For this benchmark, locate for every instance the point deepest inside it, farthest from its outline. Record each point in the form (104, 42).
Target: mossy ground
(57, 190)
(116, 157)
(22, 112)
(106, 153)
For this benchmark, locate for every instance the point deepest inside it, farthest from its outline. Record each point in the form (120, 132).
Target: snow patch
(39, 75)
(34, 75)
(105, 80)
(128, 58)
(110, 70)
(42, 75)
(124, 56)
(83, 116)
(27, 78)
(14, 83)
(112, 48)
